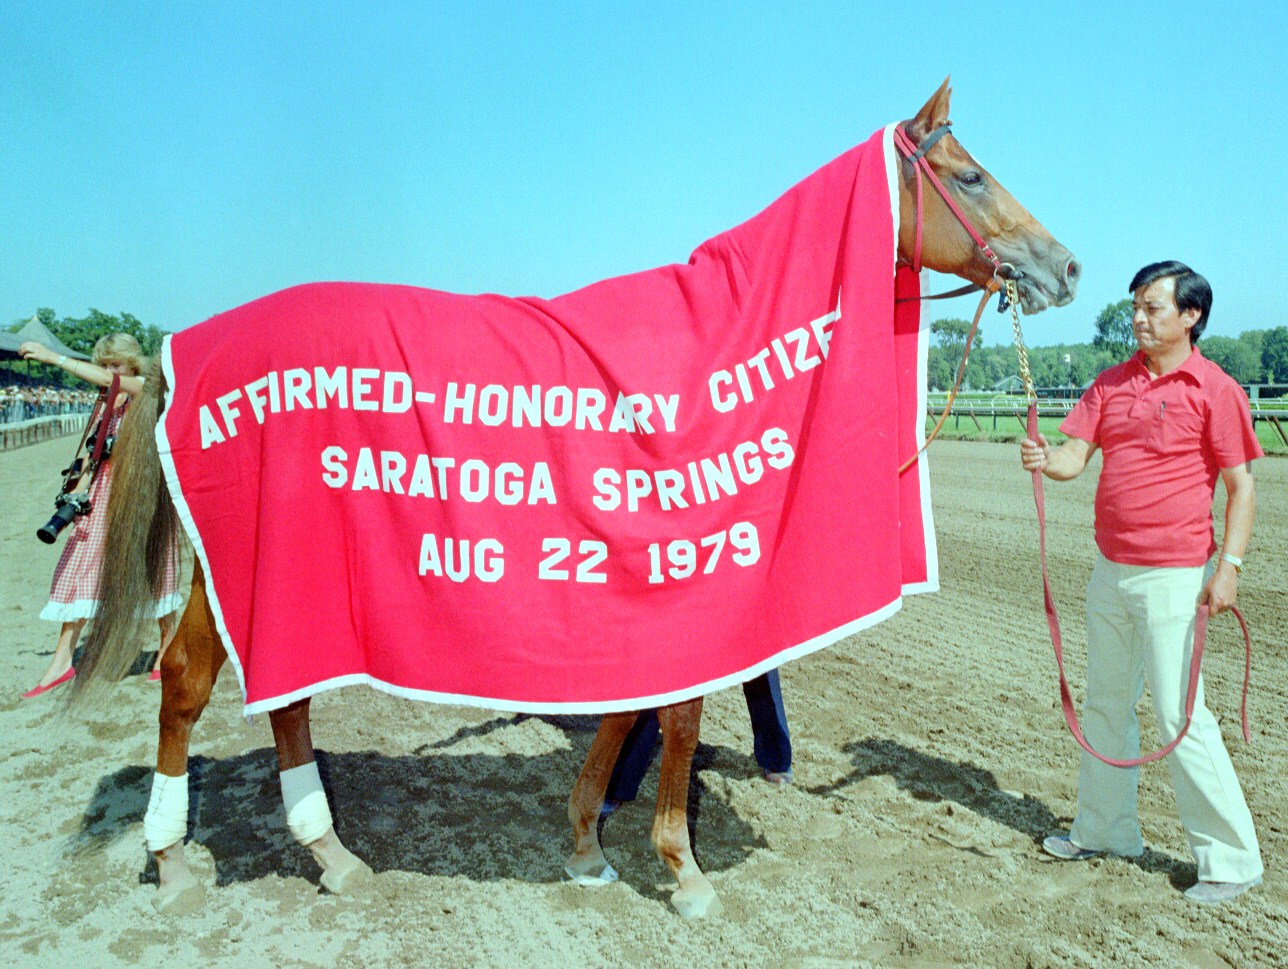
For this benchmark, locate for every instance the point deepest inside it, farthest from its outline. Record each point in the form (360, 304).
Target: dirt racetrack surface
(931, 758)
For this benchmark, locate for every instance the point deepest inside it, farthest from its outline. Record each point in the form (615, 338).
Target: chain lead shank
(1021, 352)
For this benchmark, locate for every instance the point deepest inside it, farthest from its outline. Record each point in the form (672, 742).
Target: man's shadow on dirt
(930, 778)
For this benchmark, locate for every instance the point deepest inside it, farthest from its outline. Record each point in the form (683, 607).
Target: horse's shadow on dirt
(930, 778)
(494, 816)
(481, 815)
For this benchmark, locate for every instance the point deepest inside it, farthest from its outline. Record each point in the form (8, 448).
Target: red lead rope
(1196, 659)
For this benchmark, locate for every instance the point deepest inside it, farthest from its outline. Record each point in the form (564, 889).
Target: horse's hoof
(348, 881)
(591, 873)
(696, 903)
(181, 901)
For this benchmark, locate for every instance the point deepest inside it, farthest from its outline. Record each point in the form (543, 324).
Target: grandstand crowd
(24, 403)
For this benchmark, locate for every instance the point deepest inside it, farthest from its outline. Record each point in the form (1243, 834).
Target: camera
(68, 507)
(108, 442)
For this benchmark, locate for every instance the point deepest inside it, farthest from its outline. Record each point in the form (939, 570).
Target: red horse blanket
(636, 493)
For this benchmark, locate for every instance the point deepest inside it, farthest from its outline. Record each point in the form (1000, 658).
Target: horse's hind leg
(307, 813)
(587, 864)
(695, 895)
(188, 672)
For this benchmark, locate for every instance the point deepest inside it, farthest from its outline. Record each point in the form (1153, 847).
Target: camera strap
(104, 422)
(90, 422)
(70, 476)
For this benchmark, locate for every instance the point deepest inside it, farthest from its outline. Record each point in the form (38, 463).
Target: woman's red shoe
(37, 690)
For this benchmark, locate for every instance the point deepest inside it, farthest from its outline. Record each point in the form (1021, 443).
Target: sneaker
(778, 776)
(1059, 846)
(1209, 893)
(608, 807)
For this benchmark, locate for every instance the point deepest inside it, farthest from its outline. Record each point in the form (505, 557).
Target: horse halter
(1004, 274)
(916, 154)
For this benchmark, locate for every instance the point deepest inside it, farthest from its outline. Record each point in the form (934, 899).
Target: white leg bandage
(307, 813)
(167, 819)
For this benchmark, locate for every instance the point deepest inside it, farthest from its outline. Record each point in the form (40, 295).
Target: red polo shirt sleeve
(1230, 437)
(1084, 420)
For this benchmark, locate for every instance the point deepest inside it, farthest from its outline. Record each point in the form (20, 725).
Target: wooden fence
(1007, 409)
(1003, 409)
(22, 433)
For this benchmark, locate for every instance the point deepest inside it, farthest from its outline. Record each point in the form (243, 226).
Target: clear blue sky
(176, 159)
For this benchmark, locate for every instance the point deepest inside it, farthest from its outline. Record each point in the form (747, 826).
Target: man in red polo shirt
(1169, 422)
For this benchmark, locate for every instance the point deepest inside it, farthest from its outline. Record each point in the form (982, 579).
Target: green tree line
(1253, 357)
(80, 334)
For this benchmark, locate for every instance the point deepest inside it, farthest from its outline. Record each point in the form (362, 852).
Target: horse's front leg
(695, 895)
(307, 813)
(587, 864)
(188, 671)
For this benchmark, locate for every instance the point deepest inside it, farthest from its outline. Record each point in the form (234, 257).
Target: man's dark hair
(1193, 292)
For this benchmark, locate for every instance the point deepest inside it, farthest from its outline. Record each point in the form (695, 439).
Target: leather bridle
(921, 168)
(1003, 277)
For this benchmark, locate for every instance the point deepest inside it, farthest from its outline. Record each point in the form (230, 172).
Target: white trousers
(1140, 627)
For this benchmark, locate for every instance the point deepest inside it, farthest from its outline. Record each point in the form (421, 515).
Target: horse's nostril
(1074, 269)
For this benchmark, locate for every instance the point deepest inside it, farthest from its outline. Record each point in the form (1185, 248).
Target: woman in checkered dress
(74, 596)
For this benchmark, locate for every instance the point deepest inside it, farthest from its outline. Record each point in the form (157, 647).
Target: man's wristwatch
(1233, 560)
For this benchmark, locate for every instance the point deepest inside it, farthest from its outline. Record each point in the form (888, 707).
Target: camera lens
(48, 532)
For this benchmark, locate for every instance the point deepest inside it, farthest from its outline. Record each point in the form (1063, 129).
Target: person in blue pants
(772, 743)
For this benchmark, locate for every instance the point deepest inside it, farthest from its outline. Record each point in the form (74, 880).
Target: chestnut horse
(141, 521)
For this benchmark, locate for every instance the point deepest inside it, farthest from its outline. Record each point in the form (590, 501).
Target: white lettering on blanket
(456, 563)
(793, 353)
(391, 392)
(436, 477)
(556, 407)
(707, 478)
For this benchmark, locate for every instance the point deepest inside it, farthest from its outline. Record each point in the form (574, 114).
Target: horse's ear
(932, 114)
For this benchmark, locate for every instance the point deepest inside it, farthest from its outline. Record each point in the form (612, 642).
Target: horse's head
(1045, 272)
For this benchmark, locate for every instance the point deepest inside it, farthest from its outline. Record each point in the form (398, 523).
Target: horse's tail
(141, 533)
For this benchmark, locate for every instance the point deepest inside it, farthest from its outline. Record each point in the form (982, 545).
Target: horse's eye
(970, 178)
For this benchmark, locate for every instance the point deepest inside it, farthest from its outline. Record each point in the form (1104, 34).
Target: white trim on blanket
(931, 584)
(923, 463)
(189, 524)
(892, 183)
(605, 706)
